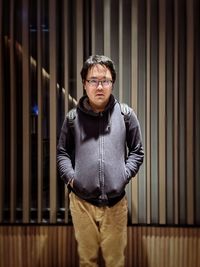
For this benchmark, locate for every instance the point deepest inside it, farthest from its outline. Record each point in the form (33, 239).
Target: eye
(105, 82)
(93, 82)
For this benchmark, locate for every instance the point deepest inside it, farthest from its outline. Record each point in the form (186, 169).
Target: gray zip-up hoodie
(92, 151)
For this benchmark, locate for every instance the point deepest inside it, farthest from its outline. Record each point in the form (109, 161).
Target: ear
(83, 82)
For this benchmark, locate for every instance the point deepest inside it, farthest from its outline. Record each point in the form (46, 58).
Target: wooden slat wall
(13, 116)
(66, 83)
(197, 109)
(155, 46)
(40, 105)
(134, 85)
(52, 109)
(79, 46)
(1, 117)
(162, 106)
(26, 111)
(190, 111)
(49, 246)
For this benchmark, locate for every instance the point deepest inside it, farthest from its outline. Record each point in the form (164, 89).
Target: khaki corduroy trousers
(102, 228)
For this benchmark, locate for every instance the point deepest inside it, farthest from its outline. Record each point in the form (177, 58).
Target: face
(98, 95)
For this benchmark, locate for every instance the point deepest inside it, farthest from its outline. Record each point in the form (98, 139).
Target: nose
(99, 84)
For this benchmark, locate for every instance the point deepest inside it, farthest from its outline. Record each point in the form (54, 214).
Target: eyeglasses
(95, 83)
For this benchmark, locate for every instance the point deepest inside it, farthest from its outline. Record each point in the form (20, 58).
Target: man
(92, 161)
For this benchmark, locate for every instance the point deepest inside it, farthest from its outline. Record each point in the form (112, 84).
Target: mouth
(99, 94)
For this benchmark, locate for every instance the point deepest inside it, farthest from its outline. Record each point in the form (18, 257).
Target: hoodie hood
(85, 107)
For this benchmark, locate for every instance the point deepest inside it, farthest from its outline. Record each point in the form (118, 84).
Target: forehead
(99, 71)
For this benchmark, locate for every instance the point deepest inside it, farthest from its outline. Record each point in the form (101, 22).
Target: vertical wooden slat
(126, 39)
(39, 91)
(52, 108)
(93, 23)
(148, 107)
(134, 85)
(154, 109)
(26, 112)
(190, 115)
(182, 111)
(120, 51)
(66, 82)
(197, 112)
(1, 114)
(107, 33)
(13, 123)
(175, 151)
(162, 137)
(79, 46)
(66, 57)
(134, 51)
(169, 112)
(147, 246)
(142, 109)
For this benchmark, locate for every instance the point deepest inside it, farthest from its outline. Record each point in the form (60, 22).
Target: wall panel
(155, 47)
(26, 111)
(1, 116)
(142, 111)
(52, 108)
(40, 105)
(48, 246)
(134, 73)
(197, 110)
(189, 111)
(162, 107)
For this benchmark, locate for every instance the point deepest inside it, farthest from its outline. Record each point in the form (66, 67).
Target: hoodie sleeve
(65, 152)
(134, 144)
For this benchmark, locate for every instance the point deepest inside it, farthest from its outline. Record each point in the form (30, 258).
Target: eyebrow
(96, 78)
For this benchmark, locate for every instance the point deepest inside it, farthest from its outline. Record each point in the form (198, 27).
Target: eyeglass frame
(99, 82)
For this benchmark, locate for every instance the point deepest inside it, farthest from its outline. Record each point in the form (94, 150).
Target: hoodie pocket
(116, 181)
(86, 189)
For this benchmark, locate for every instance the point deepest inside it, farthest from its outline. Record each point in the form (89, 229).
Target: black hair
(98, 59)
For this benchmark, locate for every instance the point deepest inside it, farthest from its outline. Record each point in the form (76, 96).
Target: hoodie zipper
(101, 151)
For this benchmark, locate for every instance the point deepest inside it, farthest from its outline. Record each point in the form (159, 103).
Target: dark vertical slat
(134, 73)
(120, 56)
(26, 112)
(93, 28)
(99, 26)
(126, 68)
(66, 82)
(52, 109)
(162, 110)
(142, 103)
(79, 46)
(39, 135)
(1, 114)
(114, 45)
(148, 111)
(87, 28)
(13, 122)
(190, 115)
(169, 111)
(154, 111)
(175, 106)
(126, 38)
(197, 111)
(182, 112)
(107, 26)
